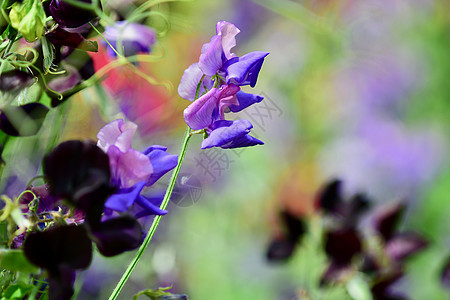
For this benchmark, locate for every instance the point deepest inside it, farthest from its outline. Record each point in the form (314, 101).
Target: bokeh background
(354, 89)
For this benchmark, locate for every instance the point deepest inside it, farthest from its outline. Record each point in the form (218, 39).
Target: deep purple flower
(133, 38)
(68, 15)
(25, 120)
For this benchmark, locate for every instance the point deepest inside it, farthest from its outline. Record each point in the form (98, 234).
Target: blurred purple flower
(133, 37)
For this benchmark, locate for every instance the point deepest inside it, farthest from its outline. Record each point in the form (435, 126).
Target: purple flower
(132, 170)
(215, 81)
(132, 37)
(230, 134)
(216, 59)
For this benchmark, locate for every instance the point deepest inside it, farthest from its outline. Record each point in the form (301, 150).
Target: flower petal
(162, 162)
(245, 100)
(228, 32)
(230, 134)
(151, 206)
(118, 235)
(199, 114)
(211, 60)
(403, 245)
(245, 69)
(118, 133)
(189, 82)
(122, 199)
(130, 167)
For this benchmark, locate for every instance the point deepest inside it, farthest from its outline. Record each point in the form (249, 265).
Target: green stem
(156, 221)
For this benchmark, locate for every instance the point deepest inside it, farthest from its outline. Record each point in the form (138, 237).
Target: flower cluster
(88, 198)
(215, 80)
(379, 253)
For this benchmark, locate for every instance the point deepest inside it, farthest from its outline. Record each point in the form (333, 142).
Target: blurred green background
(354, 89)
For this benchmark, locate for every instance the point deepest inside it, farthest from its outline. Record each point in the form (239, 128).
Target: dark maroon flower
(382, 289)
(402, 245)
(348, 212)
(445, 275)
(386, 219)
(282, 247)
(15, 80)
(60, 250)
(341, 246)
(117, 235)
(68, 15)
(79, 172)
(22, 120)
(62, 37)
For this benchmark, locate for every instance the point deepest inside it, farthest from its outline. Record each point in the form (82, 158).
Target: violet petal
(162, 162)
(190, 80)
(245, 69)
(230, 134)
(245, 100)
(122, 199)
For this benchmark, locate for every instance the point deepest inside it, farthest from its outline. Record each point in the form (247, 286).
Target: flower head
(132, 170)
(215, 80)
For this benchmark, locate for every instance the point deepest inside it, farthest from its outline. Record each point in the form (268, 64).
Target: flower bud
(28, 18)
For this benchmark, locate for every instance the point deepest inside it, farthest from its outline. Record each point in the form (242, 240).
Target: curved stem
(156, 221)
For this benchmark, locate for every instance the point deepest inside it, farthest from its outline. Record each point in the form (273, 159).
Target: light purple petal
(199, 114)
(230, 134)
(117, 133)
(211, 58)
(228, 32)
(245, 69)
(206, 109)
(133, 167)
(124, 198)
(189, 82)
(162, 162)
(245, 100)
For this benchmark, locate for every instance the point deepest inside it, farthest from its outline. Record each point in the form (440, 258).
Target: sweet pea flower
(213, 84)
(132, 170)
(133, 37)
(216, 59)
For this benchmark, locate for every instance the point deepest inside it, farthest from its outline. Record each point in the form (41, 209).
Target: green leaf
(358, 289)
(17, 291)
(15, 260)
(154, 294)
(87, 45)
